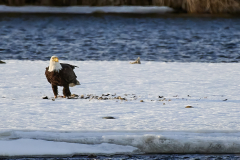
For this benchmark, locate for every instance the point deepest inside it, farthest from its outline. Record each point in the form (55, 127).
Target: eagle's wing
(47, 75)
(68, 73)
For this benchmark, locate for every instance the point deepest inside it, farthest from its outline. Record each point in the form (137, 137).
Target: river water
(124, 37)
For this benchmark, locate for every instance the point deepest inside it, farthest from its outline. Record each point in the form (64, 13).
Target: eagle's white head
(54, 64)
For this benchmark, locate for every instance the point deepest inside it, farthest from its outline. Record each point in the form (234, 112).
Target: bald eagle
(61, 74)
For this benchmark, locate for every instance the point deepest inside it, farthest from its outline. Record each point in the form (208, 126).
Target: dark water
(118, 37)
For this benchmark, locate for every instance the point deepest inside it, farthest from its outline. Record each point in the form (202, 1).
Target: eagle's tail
(77, 82)
(74, 84)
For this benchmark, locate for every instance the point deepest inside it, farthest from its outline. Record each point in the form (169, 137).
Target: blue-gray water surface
(118, 37)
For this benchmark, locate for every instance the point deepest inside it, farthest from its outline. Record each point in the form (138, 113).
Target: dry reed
(202, 6)
(212, 6)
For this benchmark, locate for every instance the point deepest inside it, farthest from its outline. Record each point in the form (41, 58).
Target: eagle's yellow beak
(55, 59)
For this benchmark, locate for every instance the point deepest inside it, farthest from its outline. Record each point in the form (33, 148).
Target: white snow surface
(156, 125)
(86, 9)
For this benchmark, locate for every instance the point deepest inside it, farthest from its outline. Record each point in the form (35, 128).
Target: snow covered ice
(87, 9)
(156, 125)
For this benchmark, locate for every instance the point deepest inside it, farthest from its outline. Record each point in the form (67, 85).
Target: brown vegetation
(202, 6)
(190, 6)
(213, 6)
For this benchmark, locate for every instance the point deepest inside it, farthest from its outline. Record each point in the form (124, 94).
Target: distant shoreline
(187, 6)
(151, 11)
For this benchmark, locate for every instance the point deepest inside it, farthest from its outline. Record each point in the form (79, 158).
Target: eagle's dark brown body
(64, 77)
